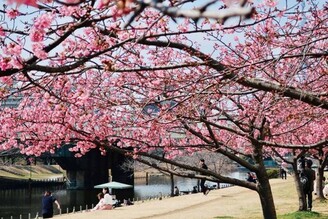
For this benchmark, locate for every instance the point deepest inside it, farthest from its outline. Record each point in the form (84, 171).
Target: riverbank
(53, 171)
(234, 202)
(18, 176)
(31, 171)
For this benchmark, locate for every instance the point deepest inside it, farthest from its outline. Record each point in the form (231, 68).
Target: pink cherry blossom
(7, 80)
(67, 10)
(5, 63)
(37, 35)
(44, 21)
(24, 2)
(163, 83)
(38, 50)
(13, 49)
(103, 3)
(13, 13)
(271, 3)
(2, 32)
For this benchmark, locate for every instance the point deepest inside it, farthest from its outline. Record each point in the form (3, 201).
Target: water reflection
(160, 186)
(16, 202)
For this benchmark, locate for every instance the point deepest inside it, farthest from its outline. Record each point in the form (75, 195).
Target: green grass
(224, 217)
(303, 214)
(286, 204)
(294, 215)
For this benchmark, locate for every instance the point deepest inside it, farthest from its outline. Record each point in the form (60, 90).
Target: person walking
(284, 170)
(308, 187)
(203, 188)
(283, 173)
(47, 205)
(176, 191)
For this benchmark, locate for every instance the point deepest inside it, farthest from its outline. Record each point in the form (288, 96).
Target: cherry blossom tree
(244, 80)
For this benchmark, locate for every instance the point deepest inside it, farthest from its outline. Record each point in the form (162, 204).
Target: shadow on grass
(303, 214)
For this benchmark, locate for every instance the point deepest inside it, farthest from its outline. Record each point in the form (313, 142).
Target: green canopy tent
(118, 189)
(113, 185)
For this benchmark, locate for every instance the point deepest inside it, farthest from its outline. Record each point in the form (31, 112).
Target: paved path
(220, 202)
(234, 202)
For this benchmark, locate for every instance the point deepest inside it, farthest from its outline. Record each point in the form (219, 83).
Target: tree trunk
(301, 197)
(265, 194)
(319, 182)
(263, 185)
(302, 205)
(172, 184)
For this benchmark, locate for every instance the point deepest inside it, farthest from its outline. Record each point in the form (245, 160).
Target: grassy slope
(247, 205)
(286, 201)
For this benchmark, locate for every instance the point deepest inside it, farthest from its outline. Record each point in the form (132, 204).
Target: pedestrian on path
(47, 205)
(176, 191)
(308, 189)
(203, 188)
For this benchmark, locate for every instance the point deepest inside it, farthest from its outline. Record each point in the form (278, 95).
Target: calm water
(16, 202)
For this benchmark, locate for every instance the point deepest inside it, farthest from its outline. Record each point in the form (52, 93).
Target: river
(19, 203)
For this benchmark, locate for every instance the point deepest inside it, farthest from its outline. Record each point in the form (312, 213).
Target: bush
(302, 214)
(273, 173)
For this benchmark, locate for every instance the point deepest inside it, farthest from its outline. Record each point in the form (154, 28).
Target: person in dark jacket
(203, 188)
(309, 173)
(250, 177)
(176, 191)
(47, 205)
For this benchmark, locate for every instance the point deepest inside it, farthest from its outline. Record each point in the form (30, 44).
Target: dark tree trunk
(263, 185)
(172, 184)
(265, 194)
(319, 184)
(320, 177)
(301, 197)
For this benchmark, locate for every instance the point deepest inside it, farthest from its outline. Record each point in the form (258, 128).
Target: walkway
(234, 201)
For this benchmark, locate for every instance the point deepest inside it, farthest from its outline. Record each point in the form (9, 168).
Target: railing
(222, 186)
(56, 179)
(225, 185)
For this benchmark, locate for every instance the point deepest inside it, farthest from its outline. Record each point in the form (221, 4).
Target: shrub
(273, 173)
